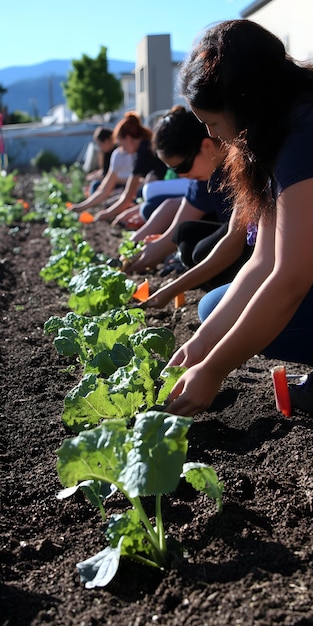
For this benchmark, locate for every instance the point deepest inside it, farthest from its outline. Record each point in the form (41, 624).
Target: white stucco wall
(291, 21)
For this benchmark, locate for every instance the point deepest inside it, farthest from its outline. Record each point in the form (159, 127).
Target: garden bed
(250, 564)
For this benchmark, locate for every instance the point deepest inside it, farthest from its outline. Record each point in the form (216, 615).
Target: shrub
(45, 160)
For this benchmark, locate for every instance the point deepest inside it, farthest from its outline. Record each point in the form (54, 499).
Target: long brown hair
(132, 126)
(241, 68)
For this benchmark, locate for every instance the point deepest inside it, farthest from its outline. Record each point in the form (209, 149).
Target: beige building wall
(154, 81)
(290, 20)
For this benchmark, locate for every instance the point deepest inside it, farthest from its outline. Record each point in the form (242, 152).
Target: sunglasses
(185, 166)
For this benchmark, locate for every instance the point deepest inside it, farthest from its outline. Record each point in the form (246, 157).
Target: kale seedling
(129, 250)
(146, 460)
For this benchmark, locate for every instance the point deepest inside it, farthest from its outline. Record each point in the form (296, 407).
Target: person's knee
(208, 303)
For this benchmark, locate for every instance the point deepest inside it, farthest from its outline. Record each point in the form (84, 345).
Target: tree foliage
(90, 89)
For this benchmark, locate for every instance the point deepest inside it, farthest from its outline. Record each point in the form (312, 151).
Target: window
(142, 79)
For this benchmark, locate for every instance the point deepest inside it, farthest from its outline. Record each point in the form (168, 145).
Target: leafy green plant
(95, 340)
(7, 185)
(77, 178)
(10, 213)
(129, 250)
(99, 288)
(62, 265)
(146, 460)
(45, 160)
(50, 191)
(60, 237)
(138, 386)
(130, 361)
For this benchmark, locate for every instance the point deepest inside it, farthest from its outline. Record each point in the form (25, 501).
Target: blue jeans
(147, 207)
(294, 343)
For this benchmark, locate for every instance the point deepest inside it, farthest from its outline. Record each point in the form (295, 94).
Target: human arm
(98, 173)
(257, 306)
(224, 253)
(159, 221)
(94, 175)
(156, 251)
(105, 188)
(124, 202)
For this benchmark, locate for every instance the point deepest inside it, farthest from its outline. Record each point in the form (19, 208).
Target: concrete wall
(154, 82)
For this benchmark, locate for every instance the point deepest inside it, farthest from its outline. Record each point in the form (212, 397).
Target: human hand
(160, 298)
(126, 216)
(194, 391)
(190, 353)
(148, 258)
(101, 215)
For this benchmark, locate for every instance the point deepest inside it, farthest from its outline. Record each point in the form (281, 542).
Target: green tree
(90, 89)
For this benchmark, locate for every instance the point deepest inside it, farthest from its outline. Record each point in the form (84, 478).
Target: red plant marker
(281, 390)
(142, 293)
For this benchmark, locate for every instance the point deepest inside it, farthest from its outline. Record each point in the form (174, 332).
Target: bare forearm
(262, 320)
(160, 220)
(224, 254)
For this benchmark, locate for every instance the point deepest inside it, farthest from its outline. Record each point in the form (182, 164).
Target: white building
(290, 20)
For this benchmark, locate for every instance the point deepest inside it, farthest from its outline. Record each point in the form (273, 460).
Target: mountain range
(35, 89)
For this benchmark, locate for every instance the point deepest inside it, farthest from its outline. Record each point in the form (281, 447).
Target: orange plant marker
(86, 218)
(281, 390)
(142, 293)
(179, 300)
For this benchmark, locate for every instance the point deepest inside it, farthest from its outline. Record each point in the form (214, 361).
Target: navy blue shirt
(209, 199)
(295, 158)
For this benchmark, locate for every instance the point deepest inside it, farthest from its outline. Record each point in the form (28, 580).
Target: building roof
(255, 6)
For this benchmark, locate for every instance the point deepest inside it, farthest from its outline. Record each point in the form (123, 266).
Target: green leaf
(154, 464)
(98, 570)
(170, 375)
(98, 454)
(97, 341)
(99, 288)
(129, 249)
(154, 340)
(127, 525)
(204, 478)
(95, 490)
(93, 400)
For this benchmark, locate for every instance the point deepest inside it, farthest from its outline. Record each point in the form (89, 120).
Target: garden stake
(281, 390)
(179, 300)
(86, 218)
(142, 293)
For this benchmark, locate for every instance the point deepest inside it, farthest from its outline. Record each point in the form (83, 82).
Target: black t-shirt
(146, 161)
(106, 161)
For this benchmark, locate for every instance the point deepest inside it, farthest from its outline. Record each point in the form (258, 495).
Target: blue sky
(66, 29)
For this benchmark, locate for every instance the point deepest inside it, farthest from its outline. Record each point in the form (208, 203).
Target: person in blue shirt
(182, 142)
(240, 82)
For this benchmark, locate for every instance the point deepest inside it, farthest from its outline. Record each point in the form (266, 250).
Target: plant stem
(159, 523)
(145, 561)
(152, 535)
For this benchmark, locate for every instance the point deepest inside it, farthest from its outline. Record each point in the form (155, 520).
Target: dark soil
(250, 565)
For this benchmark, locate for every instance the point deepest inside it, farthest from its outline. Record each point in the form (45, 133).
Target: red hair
(132, 126)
